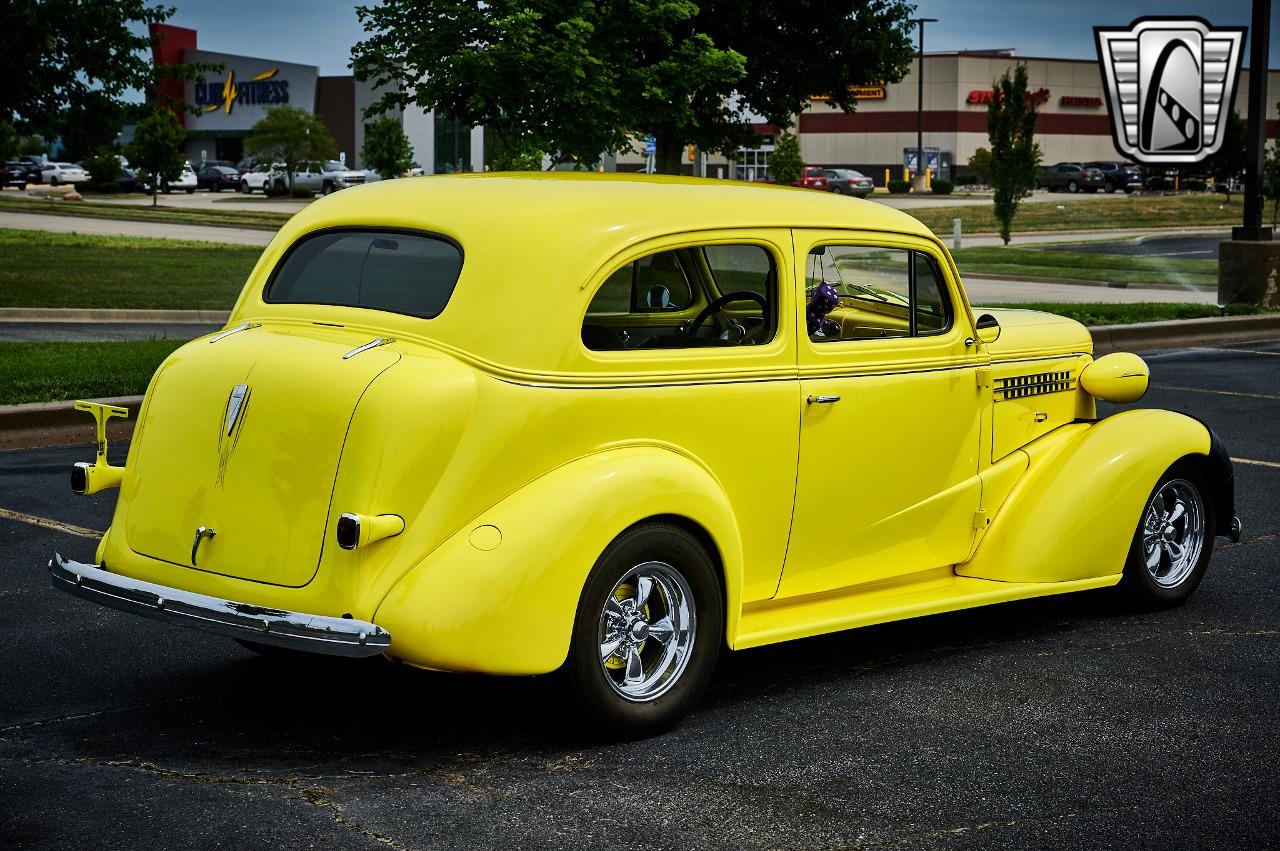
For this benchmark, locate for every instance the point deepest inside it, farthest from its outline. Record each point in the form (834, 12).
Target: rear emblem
(232, 422)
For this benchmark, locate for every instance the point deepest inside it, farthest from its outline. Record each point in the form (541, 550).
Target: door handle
(821, 400)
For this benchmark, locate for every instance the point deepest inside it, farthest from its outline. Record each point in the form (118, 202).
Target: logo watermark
(1169, 84)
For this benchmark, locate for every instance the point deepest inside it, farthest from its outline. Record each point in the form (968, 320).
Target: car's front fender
(499, 596)
(1073, 514)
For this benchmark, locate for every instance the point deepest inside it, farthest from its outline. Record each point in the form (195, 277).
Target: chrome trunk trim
(293, 630)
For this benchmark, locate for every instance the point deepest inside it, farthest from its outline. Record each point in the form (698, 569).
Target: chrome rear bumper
(294, 630)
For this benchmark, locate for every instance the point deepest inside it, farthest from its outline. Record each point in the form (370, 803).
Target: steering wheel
(717, 306)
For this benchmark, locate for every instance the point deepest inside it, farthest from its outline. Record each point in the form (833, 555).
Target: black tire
(53, 181)
(191, 190)
(1072, 186)
(1111, 188)
(838, 190)
(598, 691)
(244, 188)
(1149, 590)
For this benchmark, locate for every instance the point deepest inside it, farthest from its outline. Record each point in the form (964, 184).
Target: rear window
(398, 272)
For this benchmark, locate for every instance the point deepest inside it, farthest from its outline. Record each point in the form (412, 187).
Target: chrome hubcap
(646, 631)
(1173, 533)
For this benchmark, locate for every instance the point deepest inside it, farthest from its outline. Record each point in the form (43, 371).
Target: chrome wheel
(646, 631)
(1173, 533)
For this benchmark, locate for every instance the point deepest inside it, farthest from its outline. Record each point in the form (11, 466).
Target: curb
(108, 315)
(1183, 332)
(59, 423)
(1079, 282)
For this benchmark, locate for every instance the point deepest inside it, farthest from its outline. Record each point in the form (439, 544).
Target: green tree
(533, 71)
(290, 135)
(104, 170)
(1015, 156)
(91, 123)
(1271, 178)
(786, 163)
(156, 148)
(980, 163)
(386, 148)
(1232, 157)
(59, 52)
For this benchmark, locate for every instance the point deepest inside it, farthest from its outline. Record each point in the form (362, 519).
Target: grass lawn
(50, 372)
(1127, 314)
(43, 269)
(1033, 263)
(1133, 211)
(257, 219)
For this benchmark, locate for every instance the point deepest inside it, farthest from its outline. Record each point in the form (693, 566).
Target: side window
(864, 292)
(697, 297)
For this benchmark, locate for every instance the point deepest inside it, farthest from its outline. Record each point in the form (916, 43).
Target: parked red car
(811, 177)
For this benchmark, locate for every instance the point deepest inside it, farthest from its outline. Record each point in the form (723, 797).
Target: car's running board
(929, 592)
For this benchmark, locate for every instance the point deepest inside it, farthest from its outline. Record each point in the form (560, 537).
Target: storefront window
(453, 145)
(751, 164)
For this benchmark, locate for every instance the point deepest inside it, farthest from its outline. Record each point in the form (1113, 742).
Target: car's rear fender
(499, 596)
(1073, 514)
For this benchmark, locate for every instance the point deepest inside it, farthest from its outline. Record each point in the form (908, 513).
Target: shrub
(104, 171)
(965, 179)
(1159, 183)
(941, 187)
(271, 190)
(1195, 184)
(899, 187)
(302, 192)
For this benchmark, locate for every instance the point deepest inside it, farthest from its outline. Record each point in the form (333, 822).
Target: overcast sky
(321, 32)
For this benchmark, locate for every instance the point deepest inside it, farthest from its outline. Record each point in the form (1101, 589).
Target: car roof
(534, 242)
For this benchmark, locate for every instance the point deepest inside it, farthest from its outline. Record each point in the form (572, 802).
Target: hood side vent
(1035, 384)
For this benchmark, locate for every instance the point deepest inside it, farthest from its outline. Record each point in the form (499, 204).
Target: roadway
(1062, 722)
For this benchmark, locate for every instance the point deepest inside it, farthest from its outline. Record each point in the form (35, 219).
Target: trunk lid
(243, 436)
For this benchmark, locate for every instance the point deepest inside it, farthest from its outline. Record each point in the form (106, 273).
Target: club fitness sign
(259, 90)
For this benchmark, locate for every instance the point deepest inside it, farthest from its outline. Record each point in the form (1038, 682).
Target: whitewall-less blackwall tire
(648, 631)
(1174, 540)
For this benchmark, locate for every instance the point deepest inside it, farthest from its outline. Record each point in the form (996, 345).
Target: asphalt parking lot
(1193, 247)
(1062, 722)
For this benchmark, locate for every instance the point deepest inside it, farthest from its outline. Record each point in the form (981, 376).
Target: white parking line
(56, 525)
(1258, 463)
(1214, 392)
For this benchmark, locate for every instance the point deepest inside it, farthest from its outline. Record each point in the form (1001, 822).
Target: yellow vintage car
(610, 425)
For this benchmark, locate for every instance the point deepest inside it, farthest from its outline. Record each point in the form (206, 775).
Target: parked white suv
(262, 175)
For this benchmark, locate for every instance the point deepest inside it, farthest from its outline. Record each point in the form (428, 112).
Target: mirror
(987, 328)
(658, 298)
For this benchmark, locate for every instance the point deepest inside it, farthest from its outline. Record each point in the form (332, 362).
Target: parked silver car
(846, 181)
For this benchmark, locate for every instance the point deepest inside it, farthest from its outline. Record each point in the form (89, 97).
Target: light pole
(921, 165)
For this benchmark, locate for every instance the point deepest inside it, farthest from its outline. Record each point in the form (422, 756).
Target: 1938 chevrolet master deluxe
(611, 424)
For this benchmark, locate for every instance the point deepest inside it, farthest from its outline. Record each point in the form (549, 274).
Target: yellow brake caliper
(624, 592)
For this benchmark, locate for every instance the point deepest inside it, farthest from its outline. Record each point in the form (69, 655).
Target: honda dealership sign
(1169, 84)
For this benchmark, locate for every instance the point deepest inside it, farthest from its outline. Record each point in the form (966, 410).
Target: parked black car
(1123, 176)
(128, 181)
(14, 174)
(1072, 177)
(217, 178)
(34, 166)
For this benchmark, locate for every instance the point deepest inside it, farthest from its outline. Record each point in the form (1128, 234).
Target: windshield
(413, 274)
(334, 165)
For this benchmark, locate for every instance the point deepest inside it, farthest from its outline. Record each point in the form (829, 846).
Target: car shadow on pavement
(272, 714)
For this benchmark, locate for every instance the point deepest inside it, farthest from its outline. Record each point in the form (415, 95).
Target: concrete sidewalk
(58, 223)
